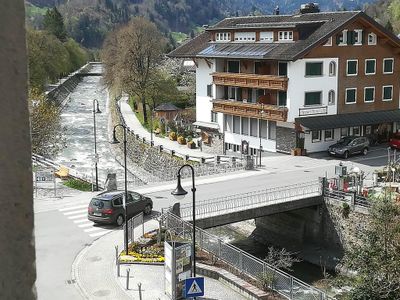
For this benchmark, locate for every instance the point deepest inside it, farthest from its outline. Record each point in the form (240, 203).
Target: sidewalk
(95, 272)
(133, 124)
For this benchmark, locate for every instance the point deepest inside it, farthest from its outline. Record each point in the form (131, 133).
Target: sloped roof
(166, 107)
(319, 27)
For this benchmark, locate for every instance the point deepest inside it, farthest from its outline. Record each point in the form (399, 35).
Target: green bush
(189, 138)
(345, 210)
(78, 185)
(172, 136)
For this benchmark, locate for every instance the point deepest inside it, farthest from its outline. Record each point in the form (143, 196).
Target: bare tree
(132, 57)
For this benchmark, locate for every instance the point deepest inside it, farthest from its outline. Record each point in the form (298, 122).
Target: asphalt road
(59, 238)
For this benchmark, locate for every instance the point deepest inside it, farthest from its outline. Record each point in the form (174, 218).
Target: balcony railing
(251, 80)
(251, 110)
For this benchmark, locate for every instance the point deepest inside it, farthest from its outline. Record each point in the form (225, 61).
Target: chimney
(276, 10)
(309, 8)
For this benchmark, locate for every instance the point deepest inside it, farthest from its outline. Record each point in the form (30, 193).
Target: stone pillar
(17, 245)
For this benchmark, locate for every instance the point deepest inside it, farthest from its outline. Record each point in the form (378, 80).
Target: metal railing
(285, 284)
(347, 197)
(238, 202)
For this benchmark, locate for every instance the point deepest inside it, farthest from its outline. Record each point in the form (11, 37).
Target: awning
(206, 125)
(349, 120)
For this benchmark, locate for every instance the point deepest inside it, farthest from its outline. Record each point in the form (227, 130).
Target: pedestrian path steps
(77, 214)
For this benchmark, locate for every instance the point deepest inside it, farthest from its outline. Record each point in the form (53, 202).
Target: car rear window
(100, 203)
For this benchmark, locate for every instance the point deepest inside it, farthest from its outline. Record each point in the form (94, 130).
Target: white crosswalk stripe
(78, 215)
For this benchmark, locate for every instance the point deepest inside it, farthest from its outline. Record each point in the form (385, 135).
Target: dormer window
(267, 36)
(372, 38)
(223, 37)
(245, 36)
(285, 35)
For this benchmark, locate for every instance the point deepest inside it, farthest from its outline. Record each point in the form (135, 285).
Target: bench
(62, 173)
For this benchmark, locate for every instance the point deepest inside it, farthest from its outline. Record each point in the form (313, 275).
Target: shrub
(345, 210)
(181, 140)
(162, 128)
(78, 185)
(172, 136)
(189, 138)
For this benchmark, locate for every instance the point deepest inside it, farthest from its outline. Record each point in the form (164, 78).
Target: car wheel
(365, 151)
(120, 220)
(346, 154)
(147, 210)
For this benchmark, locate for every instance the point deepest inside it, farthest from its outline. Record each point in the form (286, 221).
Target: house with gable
(280, 82)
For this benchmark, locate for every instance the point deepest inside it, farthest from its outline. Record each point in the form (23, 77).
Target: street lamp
(116, 141)
(96, 110)
(259, 127)
(180, 193)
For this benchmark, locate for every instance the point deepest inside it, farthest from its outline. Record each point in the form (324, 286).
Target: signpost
(194, 287)
(45, 175)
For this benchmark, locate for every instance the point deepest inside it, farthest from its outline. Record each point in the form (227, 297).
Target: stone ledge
(242, 287)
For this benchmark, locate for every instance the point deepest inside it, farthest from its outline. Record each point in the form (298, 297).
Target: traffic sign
(194, 287)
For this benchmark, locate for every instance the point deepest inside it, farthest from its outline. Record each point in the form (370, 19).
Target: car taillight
(108, 211)
(90, 209)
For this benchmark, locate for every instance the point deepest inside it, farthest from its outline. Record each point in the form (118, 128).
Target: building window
(285, 35)
(351, 96)
(235, 93)
(344, 132)
(370, 66)
(332, 68)
(272, 130)
(388, 65)
(254, 127)
(245, 36)
(282, 98)
(313, 98)
(356, 131)
(352, 66)
(372, 38)
(223, 37)
(341, 38)
(264, 129)
(369, 94)
(228, 123)
(209, 90)
(233, 66)
(387, 92)
(245, 126)
(314, 69)
(357, 33)
(329, 134)
(316, 136)
(331, 97)
(328, 42)
(214, 117)
(282, 69)
(236, 124)
(267, 36)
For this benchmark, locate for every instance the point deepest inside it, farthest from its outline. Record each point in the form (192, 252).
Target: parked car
(349, 145)
(107, 207)
(394, 142)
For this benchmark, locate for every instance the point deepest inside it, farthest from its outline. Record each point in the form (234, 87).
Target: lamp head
(98, 111)
(179, 192)
(114, 141)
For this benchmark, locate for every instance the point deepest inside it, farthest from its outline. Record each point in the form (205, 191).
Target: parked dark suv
(107, 207)
(350, 145)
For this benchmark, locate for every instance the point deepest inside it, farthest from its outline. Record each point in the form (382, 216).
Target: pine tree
(53, 22)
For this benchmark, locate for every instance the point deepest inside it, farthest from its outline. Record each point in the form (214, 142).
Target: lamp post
(259, 133)
(96, 110)
(116, 141)
(180, 193)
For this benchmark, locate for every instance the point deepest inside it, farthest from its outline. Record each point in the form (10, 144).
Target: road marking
(81, 221)
(77, 216)
(75, 212)
(100, 233)
(73, 207)
(86, 225)
(93, 229)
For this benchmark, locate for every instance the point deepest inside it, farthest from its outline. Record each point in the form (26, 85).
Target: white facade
(323, 143)
(299, 84)
(204, 78)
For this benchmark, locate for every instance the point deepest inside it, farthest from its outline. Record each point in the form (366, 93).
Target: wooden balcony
(251, 81)
(251, 110)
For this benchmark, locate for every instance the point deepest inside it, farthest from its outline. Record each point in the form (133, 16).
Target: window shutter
(239, 94)
(338, 39)
(226, 92)
(350, 37)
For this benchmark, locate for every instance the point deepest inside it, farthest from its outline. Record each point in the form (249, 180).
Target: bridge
(241, 207)
(92, 68)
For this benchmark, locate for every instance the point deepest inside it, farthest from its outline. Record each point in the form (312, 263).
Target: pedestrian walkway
(133, 124)
(95, 273)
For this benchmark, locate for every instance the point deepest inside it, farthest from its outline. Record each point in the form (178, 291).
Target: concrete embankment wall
(61, 91)
(319, 234)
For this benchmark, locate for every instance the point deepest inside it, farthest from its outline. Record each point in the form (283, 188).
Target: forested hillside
(88, 21)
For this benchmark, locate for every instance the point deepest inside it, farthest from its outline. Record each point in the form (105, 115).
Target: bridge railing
(285, 284)
(347, 197)
(232, 203)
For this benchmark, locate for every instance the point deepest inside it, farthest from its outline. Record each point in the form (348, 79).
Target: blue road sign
(194, 287)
